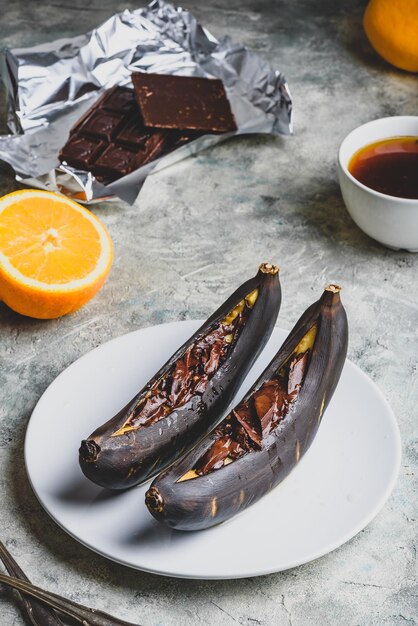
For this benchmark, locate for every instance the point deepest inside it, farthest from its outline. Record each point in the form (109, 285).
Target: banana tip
(154, 500)
(89, 450)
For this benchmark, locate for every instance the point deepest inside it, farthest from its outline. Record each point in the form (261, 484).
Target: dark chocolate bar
(183, 102)
(111, 140)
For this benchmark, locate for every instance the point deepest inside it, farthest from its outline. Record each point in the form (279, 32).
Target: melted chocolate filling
(243, 430)
(191, 373)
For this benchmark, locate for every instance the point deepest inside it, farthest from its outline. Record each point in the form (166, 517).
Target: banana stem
(268, 268)
(333, 288)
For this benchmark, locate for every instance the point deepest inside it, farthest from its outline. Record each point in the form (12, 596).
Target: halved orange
(54, 254)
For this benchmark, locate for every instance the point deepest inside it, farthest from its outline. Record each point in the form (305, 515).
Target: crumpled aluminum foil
(49, 87)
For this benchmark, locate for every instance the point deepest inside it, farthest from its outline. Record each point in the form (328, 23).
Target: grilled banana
(266, 434)
(184, 399)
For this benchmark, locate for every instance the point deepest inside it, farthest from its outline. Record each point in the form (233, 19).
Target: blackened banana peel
(185, 398)
(256, 446)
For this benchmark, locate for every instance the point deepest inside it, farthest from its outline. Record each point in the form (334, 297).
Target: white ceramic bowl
(390, 220)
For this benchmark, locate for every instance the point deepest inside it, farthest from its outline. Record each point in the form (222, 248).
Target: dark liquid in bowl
(389, 166)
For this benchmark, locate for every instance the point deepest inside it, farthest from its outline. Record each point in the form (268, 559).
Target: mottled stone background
(196, 230)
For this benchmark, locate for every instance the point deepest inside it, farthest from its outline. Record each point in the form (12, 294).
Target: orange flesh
(48, 241)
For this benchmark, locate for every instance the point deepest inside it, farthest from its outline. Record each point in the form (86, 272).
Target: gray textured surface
(195, 231)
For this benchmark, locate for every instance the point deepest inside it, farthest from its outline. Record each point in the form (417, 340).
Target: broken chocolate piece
(215, 457)
(183, 102)
(249, 422)
(296, 372)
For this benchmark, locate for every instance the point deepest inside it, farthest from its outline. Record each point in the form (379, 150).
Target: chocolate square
(103, 124)
(115, 161)
(133, 132)
(119, 99)
(80, 152)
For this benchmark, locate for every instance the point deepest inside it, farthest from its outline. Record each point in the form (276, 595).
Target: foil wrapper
(48, 87)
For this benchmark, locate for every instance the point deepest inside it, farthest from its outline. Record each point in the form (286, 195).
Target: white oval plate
(337, 488)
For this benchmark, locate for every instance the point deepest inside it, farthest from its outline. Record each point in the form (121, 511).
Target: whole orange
(54, 254)
(392, 28)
